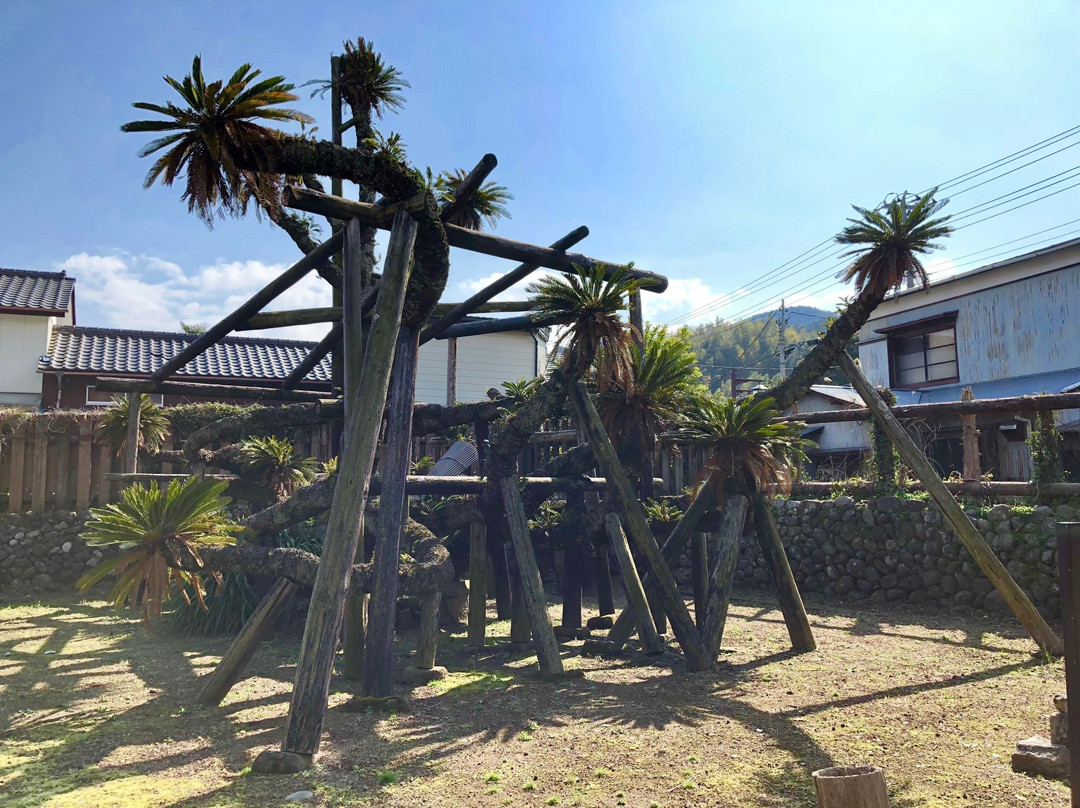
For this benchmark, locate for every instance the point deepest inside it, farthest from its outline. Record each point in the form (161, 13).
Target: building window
(924, 356)
(98, 399)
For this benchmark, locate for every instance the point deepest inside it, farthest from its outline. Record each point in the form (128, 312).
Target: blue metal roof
(1052, 382)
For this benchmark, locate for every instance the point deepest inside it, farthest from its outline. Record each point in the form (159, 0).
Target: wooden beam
(968, 534)
(136, 386)
(491, 307)
(638, 527)
(84, 464)
(527, 322)
(1068, 547)
(722, 573)
(638, 606)
(131, 444)
(475, 303)
(547, 647)
(970, 442)
(253, 306)
(427, 643)
(972, 488)
(307, 709)
(787, 591)
(469, 186)
(477, 584)
(148, 477)
(451, 371)
(955, 409)
(16, 471)
(284, 319)
(472, 240)
(312, 360)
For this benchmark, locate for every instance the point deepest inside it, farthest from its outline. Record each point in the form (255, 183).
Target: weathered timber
(315, 665)
(968, 534)
(314, 357)
(284, 319)
(699, 576)
(492, 307)
(787, 591)
(722, 573)
(472, 240)
(970, 441)
(394, 462)
(243, 648)
(635, 593)
(573, 561)
(39, 467)
(474, 303)
(477, 584)
(672, 549)
(501, 587)
(851, 787)
(253, 306)
(945, 409)
(638, 527)
(216, 391)
(469, 186)
(547, 648)
(84, 465)
(427, 643)
(451, 371)
(1068, 547)
(605, 596)
(148, 477)
(527, 322)
(972, 488)
(16, 472)
(131, 444)
(520, 630)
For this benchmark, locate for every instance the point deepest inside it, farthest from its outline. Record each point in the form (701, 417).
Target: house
(1007, 329)
(32, 305)
(840, 446)
(77, 355)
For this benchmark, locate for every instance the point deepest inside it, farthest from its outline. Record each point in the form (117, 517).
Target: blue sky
(711, 142)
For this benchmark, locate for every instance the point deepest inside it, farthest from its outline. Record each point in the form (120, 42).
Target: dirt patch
(93, 712)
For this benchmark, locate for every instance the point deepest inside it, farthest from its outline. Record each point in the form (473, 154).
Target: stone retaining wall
(41, 552)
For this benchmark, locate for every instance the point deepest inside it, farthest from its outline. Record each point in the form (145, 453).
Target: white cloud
(145, 292)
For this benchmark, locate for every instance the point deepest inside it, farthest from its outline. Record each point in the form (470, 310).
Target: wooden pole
(469, 186)
(968, 534)
(451, 372)
(218, 391)
(787, 591)
(638, 527)
(1068, 542)
(284, 319)
(474, 303)
(16, 484)
(526, 322)
(243, 648)
(605, 600)
(315, 665)
(427, 643)
(574, 561)
(84, 464)
(315, 356)
(547, 647)
(970, 440)
(500, 574)
(520, 632)
(477, 584)
(699, 571)
(635, 593)
(131, 445)
(947, 409)
(722, 575)
(378, 652)
(851, 787)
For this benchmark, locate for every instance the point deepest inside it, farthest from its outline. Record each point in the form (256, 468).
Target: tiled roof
(35, 291)
(74, 349)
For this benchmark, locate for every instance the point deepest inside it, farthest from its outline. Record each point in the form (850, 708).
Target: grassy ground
(93, 712)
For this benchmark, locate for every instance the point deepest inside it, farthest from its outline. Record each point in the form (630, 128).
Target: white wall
(839, 436)
(431, 372)
(23, 339)
(482, 362)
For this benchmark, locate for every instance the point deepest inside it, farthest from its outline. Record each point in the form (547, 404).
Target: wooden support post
(40, 466)
(16, 484)
(547, 648)
(673, 547)
(243, 648)
(307, 709)
(84, 464)
(605, 600)
(573, 560)
(970, 440)
(635, 593)
(787, 591)
(428, 642)
(500, 574)
(477, 584)
(638, 528)
(314, 357)
(467, 187)
(382, 611)
(851, 787)
(968, 534)
(63, 498)
(520, 632)
(451, 372)
(722, 573)
(101, 468)
(131, 446)
(1068, 544)
(656, 603)
(637, 319)
(699, 571)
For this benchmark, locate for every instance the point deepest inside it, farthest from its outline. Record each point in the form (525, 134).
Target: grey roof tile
(35, 291)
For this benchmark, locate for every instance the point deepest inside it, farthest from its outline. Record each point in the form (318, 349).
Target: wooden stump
(851, 787)
(428, 641)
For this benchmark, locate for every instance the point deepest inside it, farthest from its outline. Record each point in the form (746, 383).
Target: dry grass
(95, 713)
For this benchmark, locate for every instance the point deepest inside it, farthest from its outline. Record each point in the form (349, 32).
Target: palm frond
(153, 424)
(486, 205)
(275, 464)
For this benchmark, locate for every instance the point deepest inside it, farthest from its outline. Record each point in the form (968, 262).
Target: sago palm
(591, 300)
(153, 424)
(215, 141)
(743, 442)
(887, 249)
(154, 528)
(274, 464)
(486, 205)
(368, 85)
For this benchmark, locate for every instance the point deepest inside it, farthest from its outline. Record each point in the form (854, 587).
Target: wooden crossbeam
(253, 306)
(469, 186)
(284, 319)
(117, 385)
(475, 241)
(1005, 406)
(526, 322)
(311, 361)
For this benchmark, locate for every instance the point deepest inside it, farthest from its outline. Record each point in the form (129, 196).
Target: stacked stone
(892, 550)
(1048, 758)
(42, 552)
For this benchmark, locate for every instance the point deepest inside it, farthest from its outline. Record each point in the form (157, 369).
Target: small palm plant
(522, 390)
(154, 527)
(153, 424)
(744, 442)
(275, 464)
(591, 300)
(486, 205)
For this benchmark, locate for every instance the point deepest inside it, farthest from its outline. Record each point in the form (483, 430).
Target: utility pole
(782, 324)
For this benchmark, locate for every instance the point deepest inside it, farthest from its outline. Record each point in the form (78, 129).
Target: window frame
(920, 328)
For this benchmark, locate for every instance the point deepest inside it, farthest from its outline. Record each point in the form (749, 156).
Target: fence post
(1068, 538)
(16, 484)
(83, 464)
